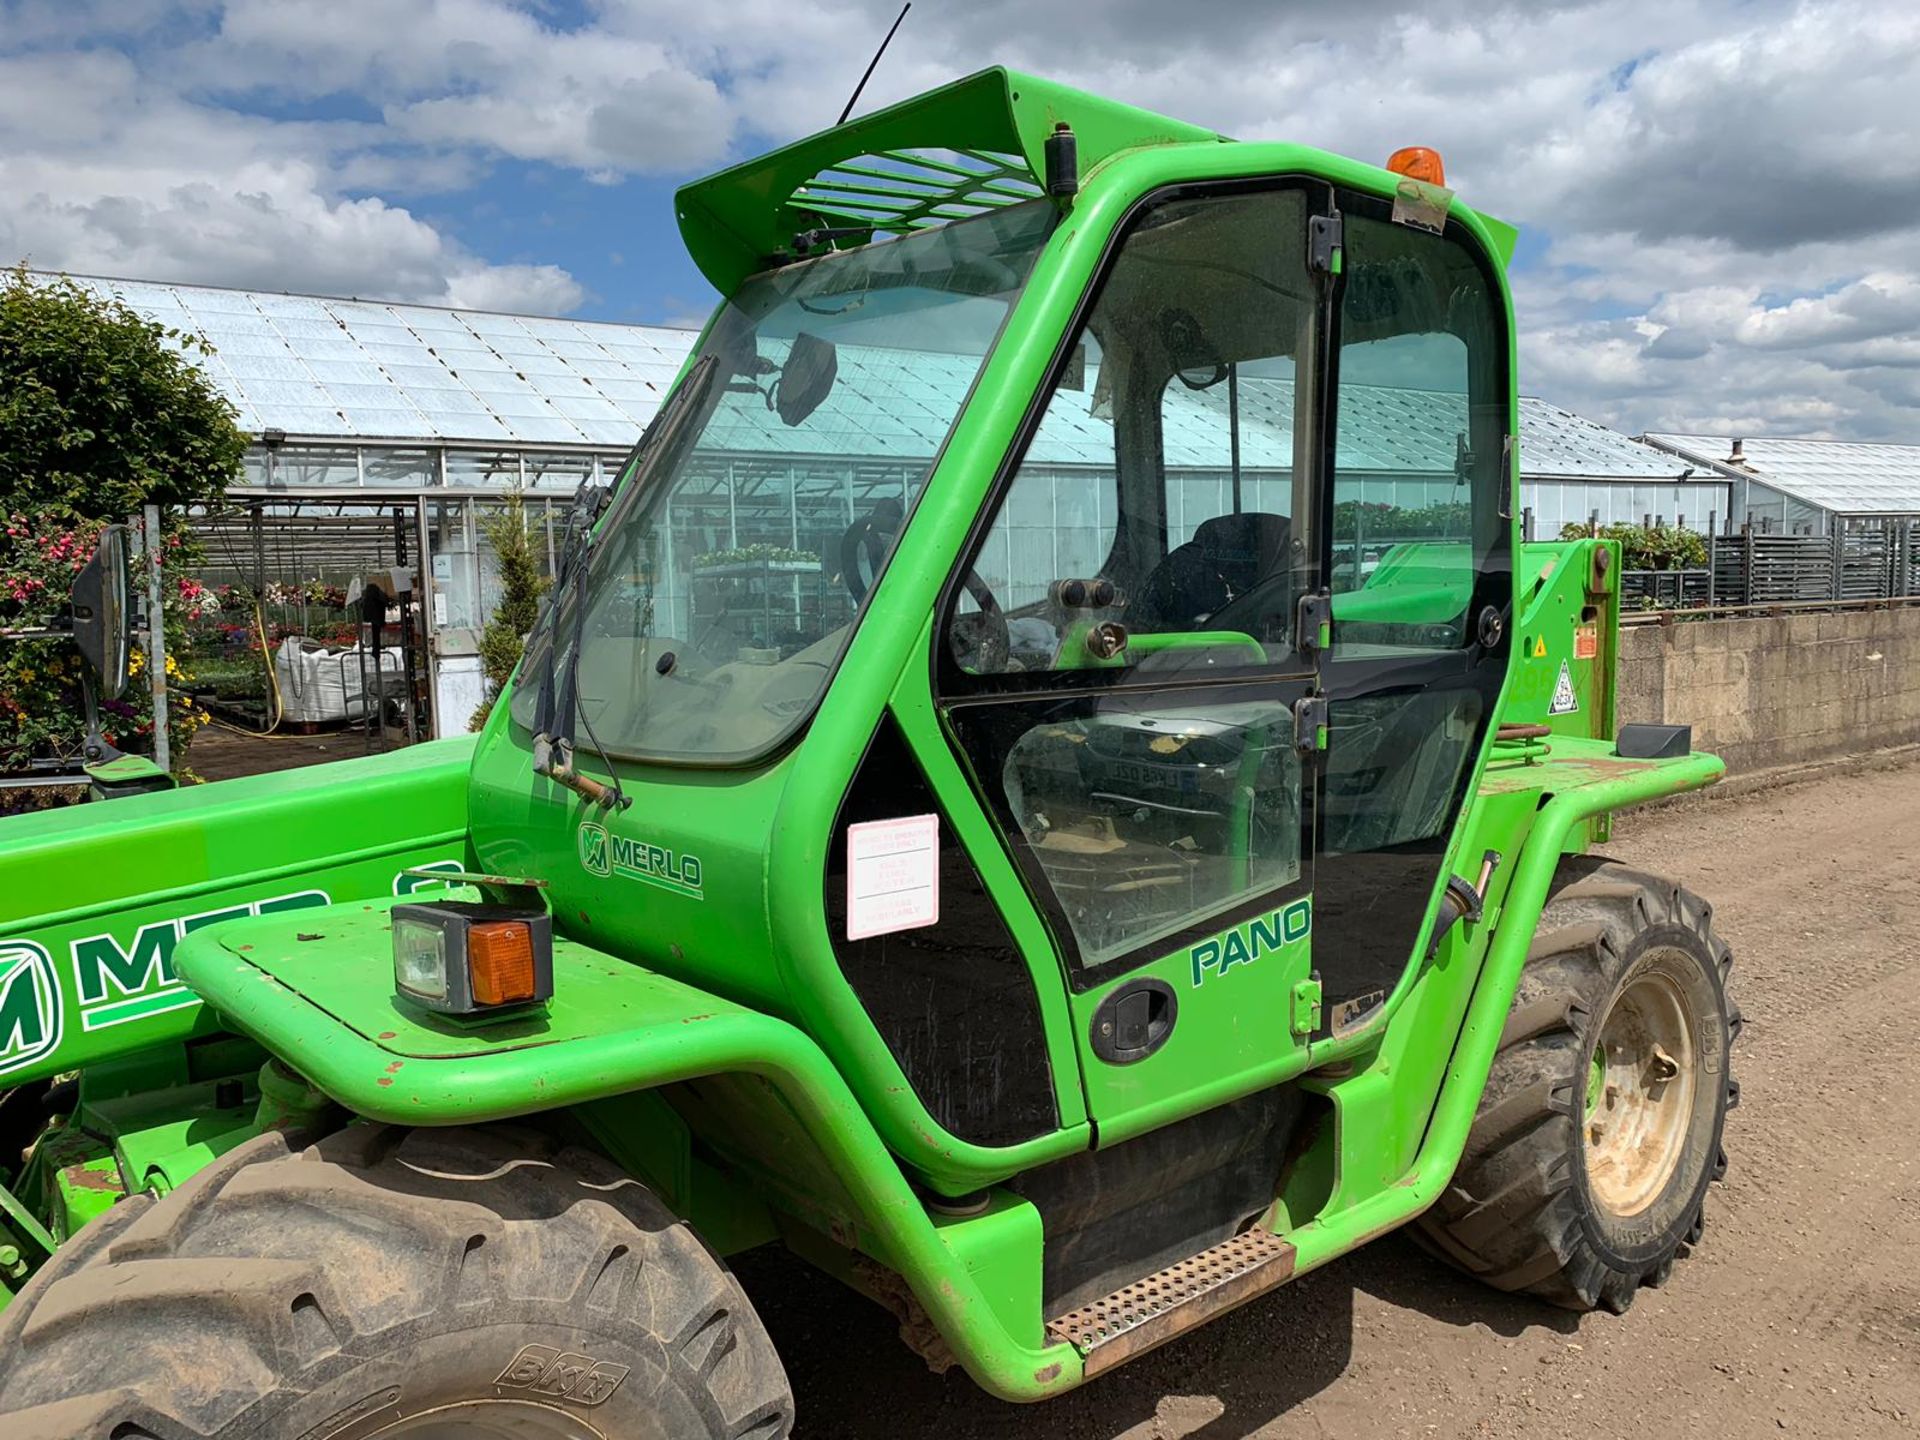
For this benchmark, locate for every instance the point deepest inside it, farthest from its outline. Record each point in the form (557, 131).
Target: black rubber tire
(1519, 1213)
(474, 1275)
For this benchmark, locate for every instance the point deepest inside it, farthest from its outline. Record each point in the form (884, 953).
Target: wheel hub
(1641, 1079)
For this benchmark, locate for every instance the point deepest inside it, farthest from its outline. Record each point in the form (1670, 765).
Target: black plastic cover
(1653, 742)
(954, 1001)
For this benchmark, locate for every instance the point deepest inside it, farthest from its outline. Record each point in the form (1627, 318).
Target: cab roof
(947, 154)
(952, 152)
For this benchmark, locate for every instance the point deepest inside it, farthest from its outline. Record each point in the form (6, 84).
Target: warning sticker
(1586, 642)
(1565, 702)
(893, 875)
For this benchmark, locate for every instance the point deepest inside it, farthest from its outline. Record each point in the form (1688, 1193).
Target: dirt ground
(1800, 1313)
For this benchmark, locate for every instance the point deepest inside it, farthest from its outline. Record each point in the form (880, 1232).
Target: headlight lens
(420, 958)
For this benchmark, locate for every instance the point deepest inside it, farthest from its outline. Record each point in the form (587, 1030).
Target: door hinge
(1305, 1008)
(1313, 624)
(1323, 243)
(1310, 724)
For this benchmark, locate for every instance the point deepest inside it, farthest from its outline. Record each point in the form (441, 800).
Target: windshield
(760, 509)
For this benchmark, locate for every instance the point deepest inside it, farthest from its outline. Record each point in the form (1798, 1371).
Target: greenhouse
(384, 433)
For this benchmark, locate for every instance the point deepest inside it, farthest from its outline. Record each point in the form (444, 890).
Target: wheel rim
(491, 1420)
(1641, 1079)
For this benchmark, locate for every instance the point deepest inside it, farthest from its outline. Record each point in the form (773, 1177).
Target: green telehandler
(1050, 785)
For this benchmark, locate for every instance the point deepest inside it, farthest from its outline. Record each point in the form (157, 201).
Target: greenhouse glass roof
(370, 370)
(375, 371)
(1838, 475)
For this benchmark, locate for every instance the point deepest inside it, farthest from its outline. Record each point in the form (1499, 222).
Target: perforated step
(1153, 1310)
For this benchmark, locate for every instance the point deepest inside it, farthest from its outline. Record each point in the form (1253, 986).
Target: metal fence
(1666, 589)
(1877, 560)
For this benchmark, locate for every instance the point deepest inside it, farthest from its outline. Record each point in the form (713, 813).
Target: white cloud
(109, 172)
(484, 74)
(1727, 192)
(1876, 306)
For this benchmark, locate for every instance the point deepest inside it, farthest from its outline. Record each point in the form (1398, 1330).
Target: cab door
(1419, 563)
(1117, 663)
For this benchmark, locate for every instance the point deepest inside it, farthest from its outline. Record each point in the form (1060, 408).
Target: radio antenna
(854, 99)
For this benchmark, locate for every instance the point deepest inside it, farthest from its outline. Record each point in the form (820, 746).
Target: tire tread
(273, 1270)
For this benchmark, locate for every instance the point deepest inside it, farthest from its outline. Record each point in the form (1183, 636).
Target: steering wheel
(864, 549)
(868, 539)
(992, 640)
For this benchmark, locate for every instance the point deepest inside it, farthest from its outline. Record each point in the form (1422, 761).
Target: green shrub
(1649, 547)
(521, 586)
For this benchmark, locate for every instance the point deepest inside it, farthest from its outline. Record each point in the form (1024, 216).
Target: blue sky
(618, 240)
(1719, 199)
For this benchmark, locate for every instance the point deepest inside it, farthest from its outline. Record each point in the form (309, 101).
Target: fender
(316, 990)
(1583, 781)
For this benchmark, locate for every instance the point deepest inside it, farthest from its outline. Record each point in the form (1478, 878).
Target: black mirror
(806, 378)
(102, 617)
(1190, 351)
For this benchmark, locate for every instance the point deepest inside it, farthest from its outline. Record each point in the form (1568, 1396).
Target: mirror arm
(95, 747)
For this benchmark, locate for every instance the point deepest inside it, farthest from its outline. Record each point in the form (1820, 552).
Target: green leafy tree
(101, 411)
(521, 586)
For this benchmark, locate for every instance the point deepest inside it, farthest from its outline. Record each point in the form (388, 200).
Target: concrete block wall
(1779, 690)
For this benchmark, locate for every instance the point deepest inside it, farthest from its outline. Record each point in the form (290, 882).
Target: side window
(1146, 541)
(1151, 520)
(1057, 522)
(1419, 461)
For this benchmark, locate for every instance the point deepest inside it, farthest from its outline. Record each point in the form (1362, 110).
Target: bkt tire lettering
(577, 1379)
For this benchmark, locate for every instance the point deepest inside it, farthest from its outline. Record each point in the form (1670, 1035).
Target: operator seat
(1227, 557)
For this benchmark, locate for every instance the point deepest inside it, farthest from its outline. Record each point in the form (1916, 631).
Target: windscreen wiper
(557, 703)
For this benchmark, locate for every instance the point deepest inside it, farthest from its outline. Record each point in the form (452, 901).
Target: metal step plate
(1153, 1310)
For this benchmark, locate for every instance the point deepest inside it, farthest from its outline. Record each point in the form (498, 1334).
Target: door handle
(1134, 1021)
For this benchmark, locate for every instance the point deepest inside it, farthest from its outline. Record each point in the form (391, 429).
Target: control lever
(1463, 901)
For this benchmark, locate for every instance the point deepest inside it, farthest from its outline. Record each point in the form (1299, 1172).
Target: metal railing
(1858, 561)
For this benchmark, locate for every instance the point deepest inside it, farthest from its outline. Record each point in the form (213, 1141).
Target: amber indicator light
(1417, 162)
(500, 962)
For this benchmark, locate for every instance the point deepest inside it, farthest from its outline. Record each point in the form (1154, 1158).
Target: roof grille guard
(901, 190)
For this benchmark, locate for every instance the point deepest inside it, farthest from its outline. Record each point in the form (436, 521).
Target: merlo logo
(593, 850)
(630, 859)
(29, 1004)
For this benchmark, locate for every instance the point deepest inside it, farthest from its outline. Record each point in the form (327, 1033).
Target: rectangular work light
(470, 958)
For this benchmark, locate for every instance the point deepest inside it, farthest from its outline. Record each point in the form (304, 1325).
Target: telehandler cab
(1050, 786)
